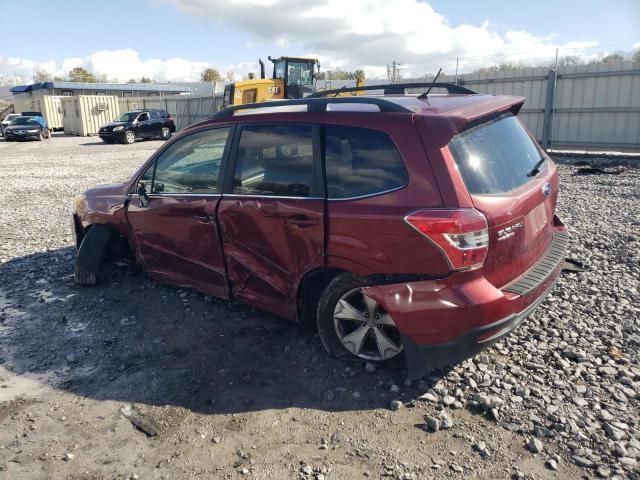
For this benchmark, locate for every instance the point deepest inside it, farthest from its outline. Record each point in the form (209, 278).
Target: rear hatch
(515, 185)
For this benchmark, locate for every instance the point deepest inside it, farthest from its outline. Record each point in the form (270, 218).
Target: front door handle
(302, 221)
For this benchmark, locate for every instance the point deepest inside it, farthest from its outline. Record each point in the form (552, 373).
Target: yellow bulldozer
(292, 77)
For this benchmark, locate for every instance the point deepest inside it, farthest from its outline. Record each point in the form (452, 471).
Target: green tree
(570, 61)
(132, 80)
(146, 80)
(635, 56)
(359, 75)
(616, 57)
(79, 74)
(42, 76)
(231, 75)
(210, 75)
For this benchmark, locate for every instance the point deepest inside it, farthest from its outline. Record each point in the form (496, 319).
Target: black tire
(40, 137)
(129, 137)
(165, 133)
(326, 306)
(342, 285)
(47, 133)
(96, 256)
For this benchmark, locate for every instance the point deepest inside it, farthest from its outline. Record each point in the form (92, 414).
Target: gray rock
(429, 397)
(431, 424)
(551, 464)
(583, 461)
(534, 445)
(448, 400)
(370, 368)
(446, 421)
(395, 405)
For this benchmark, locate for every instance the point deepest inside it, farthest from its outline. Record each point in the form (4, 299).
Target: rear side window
(154, 115)
(496, 156)
(361, 161)
(274, 160)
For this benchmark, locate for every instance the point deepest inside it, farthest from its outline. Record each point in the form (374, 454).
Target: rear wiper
(536, 168)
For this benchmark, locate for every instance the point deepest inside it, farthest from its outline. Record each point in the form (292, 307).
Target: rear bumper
(443, 322)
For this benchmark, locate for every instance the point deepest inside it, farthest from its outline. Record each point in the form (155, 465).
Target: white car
(7, 121)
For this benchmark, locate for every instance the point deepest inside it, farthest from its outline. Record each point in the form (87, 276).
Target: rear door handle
(302, 221)
(203, 217)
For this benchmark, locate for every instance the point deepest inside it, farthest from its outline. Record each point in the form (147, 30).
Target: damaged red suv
(415, 225)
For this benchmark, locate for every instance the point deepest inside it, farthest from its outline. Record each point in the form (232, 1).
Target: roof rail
(315, 105)
(394, 89)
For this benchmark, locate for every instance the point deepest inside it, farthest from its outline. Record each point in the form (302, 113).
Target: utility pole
(393, 72)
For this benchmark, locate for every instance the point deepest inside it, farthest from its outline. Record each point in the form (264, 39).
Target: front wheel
(96, 256)
(165, 133)
(129, 137)
(352, 325)
(40, 136)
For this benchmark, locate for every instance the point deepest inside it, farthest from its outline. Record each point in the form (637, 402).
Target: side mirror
(142, 193)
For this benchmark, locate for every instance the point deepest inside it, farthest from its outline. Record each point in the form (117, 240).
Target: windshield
(25, 121)
(128, 117)
(300, 73)
(495, 156)
(12, 116)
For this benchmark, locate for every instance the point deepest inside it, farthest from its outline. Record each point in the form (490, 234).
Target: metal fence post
(548, 109)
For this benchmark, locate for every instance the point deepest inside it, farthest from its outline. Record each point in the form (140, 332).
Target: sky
(174, 40)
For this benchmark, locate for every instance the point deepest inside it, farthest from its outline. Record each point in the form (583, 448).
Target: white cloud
(119, 65)
(352, 34)
(356, 33)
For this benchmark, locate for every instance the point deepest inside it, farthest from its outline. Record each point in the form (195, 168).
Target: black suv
(147, 123)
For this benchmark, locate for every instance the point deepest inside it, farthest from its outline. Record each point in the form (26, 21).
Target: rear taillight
(463, 234)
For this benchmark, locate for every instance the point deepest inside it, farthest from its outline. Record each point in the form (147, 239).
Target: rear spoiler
(449, 123)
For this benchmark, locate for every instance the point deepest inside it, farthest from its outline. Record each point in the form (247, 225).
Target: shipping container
(84, 114)
(49, 105)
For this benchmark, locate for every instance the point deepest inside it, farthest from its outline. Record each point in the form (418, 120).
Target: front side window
(279, 69)
(143, 117)
(361, 161)
(189, 165)
(274, 160)
(495, 156)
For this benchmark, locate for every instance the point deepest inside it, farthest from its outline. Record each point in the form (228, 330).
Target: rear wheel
(165, 133)
(40, 137)
(129, 137)
(46, 133)
(96, 256)
(353, 325)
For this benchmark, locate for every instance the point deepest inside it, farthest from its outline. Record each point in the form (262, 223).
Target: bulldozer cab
(292, 77)
(298, 75)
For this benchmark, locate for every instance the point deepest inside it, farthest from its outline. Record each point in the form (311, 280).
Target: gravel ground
(219, 390)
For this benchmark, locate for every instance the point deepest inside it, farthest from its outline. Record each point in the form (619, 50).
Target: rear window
(496, 156)
(360, 161)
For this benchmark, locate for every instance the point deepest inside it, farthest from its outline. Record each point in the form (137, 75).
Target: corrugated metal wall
(49, 105)
(595, 106)
(84, 114)
(187, 110)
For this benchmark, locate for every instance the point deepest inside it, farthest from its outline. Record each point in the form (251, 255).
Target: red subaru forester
(421, 225)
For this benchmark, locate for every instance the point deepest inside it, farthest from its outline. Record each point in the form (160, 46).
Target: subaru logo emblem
(546, 189)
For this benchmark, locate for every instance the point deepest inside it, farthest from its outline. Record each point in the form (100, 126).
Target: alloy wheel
(364, 328)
